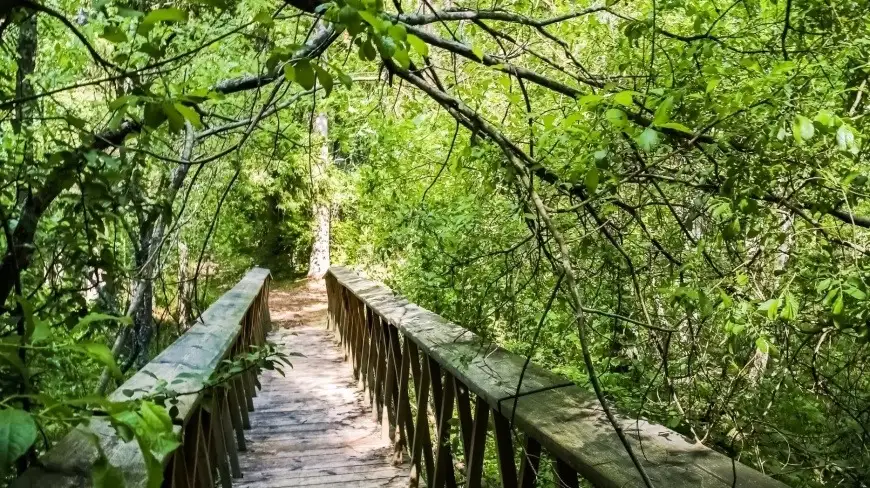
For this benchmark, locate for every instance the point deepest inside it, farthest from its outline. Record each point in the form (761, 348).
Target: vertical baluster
(463, 409)
(251, 373)
(390, 393)
(443, 457)
(380, 367)
(178, 477)
(368, 362)
(476, 450)
(218, 451)
(504, 447)
(345, 316)
(204, 476)
(403, 414)
(234, 415)
(329, 300)
(227, 430)
(422, 447)
(530, 461)
(566, 477)
(241, 402)
(358, 339)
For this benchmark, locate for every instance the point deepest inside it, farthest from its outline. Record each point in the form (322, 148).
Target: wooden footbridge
(387, 394)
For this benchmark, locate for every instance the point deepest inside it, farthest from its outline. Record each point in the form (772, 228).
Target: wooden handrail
(210, 420)
(394, 344)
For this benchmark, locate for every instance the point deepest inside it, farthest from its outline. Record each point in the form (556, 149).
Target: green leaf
(289, 72)
(17, 434)
(99, 317)
(478, 52)
(762, 344)
(855, 293)
(802, 129)
(825, 118)
(663, 111)
(156, 418)
(790, 307)
(845, 138)
(837, 307)
(176, 120)
(101, 354)
(264, 18)
(418, 45)
(397, 32)
(590, 100)
(113, 34)
(771, 307)
(171, 14)
(624, 98)
(324, 78)
(190, 114)
(401, 57)
(304, 74)
(676, 126)
(104, 475)
(648, 139)
(345, 80)
(616, 117)
(591, 180)
(76, 122)
(371, 18)
(711, 85)
(41, 331)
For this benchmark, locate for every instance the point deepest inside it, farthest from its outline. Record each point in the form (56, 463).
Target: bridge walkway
(313, 426)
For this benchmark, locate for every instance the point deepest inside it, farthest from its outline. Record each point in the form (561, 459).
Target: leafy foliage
(692, 175)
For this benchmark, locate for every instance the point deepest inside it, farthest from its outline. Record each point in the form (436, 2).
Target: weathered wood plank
(565, 419)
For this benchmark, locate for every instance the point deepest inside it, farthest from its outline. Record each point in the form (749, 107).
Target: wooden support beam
(477, 448)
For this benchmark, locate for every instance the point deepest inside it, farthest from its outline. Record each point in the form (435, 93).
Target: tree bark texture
(319, 262)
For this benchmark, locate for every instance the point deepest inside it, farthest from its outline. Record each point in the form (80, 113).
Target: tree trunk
(318, 264)
(27, 51)
(184, 308)
(143, 320)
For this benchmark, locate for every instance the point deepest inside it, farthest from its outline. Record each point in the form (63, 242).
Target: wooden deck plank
(313, 426)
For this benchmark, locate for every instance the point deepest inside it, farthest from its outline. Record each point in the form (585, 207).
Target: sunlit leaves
(418, 45)
(591, 180)
(624, 98)
(802, 129)
(101, 354)
(648, 139)
(162, 15)
(663, 112)
(324, 78)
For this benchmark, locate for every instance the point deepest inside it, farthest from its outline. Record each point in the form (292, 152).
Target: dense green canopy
(687, 178)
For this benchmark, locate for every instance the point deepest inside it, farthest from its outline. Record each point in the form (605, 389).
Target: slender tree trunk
(319, 261)
(143, 320)
(27, 51)
(184, 305)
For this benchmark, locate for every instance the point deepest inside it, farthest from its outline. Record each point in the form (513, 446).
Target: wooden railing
(209, 421)
(402, 354)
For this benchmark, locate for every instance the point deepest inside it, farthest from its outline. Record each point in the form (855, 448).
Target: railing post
(530, 462)
(504, 448)
(443, 456)
(422, 446)
(474, 469)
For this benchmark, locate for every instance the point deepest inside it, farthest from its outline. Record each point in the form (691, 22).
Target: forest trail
(313, 427)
